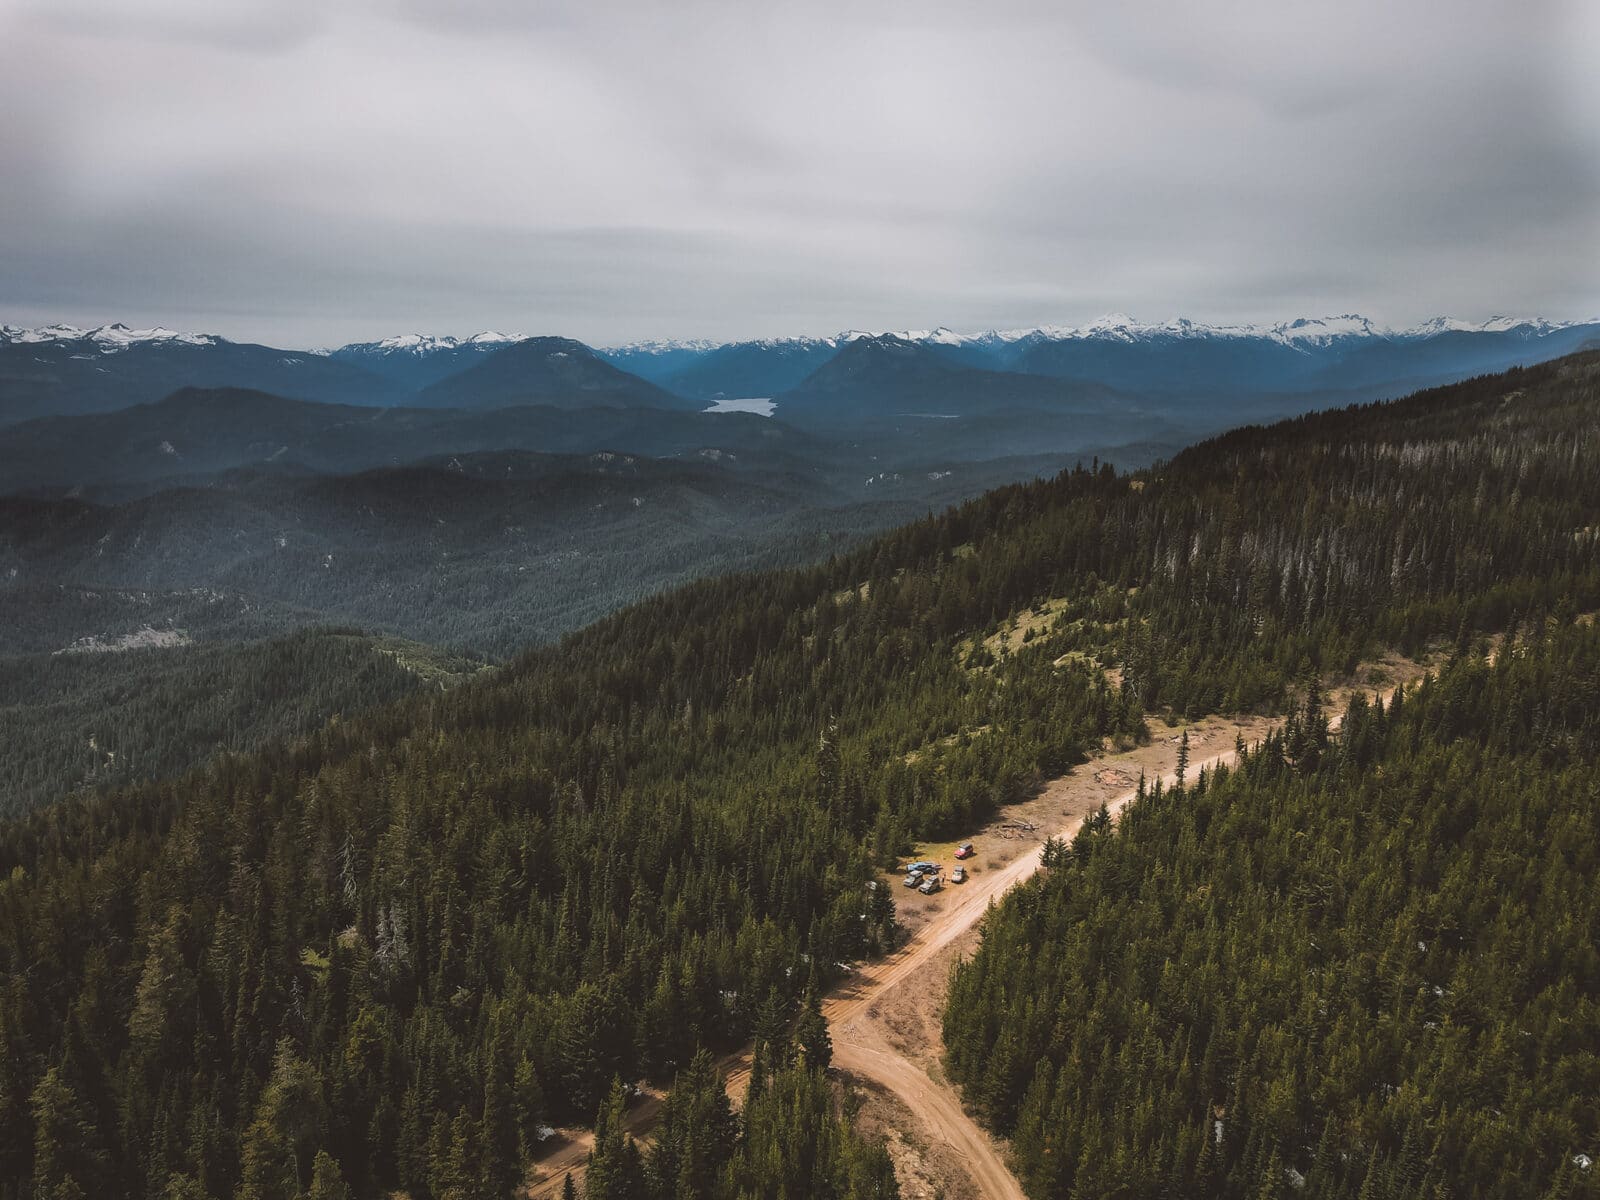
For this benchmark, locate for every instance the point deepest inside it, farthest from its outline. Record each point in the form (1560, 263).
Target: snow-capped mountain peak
(1533, 326)
(1323, 330)
(942, 336)
(108, 339)
(412, 341)
(427, 343)
(45, 333)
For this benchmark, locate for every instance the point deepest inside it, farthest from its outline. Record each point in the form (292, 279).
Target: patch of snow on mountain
(762, 406)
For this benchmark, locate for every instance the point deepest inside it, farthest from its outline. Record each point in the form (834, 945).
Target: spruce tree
(67, 1162)
(326, 1181)
(811, 1034)
(616, 1171)
(500, 1133)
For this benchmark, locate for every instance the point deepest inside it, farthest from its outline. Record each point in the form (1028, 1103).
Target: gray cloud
(309, 173)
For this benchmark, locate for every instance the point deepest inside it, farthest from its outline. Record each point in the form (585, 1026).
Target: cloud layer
(309, 173)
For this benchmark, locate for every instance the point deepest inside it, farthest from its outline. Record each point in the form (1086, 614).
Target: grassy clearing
(1016, 631)
(943, 853)
(428, 663)
(1052, 619)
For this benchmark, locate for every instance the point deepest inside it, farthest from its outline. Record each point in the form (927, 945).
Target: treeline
(1353, 966)
(628, 847)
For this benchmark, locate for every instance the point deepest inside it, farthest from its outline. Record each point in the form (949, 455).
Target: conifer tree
(500, 1133)
(616, 1171)
(697, 1134)
(811, 1034)
(67, 1162)
(280, 1144)
(528, 1105)
(326, 1181)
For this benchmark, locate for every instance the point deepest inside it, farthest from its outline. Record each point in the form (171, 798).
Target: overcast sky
(307, 172)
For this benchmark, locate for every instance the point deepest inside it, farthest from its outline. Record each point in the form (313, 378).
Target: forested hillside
(485, 554)
(101, 716)
(1352, 966)
(385, 956)
(270, 517)
(195, 435)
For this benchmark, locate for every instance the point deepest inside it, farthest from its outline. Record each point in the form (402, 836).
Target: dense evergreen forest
(483, 557)
(1361, 966)
(379, 959)
(96, 719)
(791, 1141)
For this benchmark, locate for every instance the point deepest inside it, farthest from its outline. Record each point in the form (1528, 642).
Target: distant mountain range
(890, 376)
(1181, 356)
(62, 371)
(1216, 374)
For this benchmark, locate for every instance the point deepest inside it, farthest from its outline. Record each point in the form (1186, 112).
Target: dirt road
(885, 1023)
(884, 1017)
(860, 1045)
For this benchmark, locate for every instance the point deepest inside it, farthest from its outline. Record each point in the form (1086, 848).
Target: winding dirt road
(865, 1045)
(859, 1047)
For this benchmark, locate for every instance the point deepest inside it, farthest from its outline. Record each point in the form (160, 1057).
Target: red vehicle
(964, 850)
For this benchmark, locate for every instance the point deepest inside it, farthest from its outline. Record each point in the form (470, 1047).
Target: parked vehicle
(913, 879)
(965, 850)
(921, 868)
(930, 885)
(959, 875)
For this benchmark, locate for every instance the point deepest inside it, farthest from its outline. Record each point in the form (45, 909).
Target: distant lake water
(761, 406)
